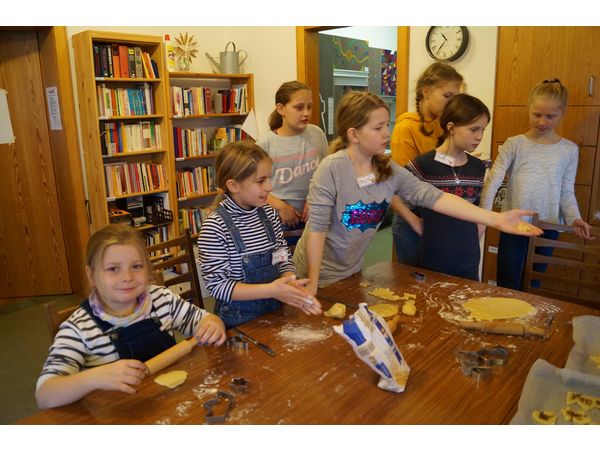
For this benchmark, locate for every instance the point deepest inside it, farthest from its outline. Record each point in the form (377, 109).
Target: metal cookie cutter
(210, 417)
(239, 385)
(237, 344)
(479, 364)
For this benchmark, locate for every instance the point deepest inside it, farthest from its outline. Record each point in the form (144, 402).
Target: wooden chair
(56, 316)
(576, 275)
(293, 234)
(177, 254)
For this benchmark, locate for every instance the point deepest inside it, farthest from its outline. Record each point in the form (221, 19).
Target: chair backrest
(57, 316)
(177, 255)
(293, 234)
(573, 270)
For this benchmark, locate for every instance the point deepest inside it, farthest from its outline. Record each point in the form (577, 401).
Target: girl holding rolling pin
(124, 321)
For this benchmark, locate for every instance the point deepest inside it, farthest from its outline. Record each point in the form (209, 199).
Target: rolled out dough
(384, 309)
(171, 379)
(491, 308)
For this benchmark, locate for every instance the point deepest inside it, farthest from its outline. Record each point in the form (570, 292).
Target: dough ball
(409, 308)
(337, 311)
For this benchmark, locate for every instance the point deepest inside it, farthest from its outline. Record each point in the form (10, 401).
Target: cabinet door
(528, 55)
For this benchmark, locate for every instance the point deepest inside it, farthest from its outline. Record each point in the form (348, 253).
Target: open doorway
(349, 49)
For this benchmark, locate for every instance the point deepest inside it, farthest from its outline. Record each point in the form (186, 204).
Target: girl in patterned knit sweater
(450, 168)
(541, 168)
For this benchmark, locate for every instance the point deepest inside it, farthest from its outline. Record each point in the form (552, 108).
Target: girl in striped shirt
(243, 256)
(123, 322)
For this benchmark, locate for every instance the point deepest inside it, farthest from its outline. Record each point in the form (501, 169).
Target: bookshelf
(123, 110)
(206, 111)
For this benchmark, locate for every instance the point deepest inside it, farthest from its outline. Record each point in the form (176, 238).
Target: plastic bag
(373, 343)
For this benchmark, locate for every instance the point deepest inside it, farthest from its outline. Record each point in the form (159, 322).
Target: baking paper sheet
(586, 334)
(546, 388)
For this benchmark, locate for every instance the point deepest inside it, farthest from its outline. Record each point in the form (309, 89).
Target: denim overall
(257, 268)
(141, 340)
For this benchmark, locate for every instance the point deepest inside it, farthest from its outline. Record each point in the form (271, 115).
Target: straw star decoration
(186, 48)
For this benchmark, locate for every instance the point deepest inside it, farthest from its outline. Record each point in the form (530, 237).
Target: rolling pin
(515, 329)
(170, 355)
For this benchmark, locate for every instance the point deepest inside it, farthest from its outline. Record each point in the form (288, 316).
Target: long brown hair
(462, 109)
(237, 161)
(284, 96)
(436, 73)
(353, 112)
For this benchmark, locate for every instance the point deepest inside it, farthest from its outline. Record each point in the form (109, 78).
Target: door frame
(64, 144)
(307, 63)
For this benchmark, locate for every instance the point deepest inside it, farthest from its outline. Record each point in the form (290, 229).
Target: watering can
(229, 61)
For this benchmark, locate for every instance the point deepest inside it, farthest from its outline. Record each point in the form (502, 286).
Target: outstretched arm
(454, 206)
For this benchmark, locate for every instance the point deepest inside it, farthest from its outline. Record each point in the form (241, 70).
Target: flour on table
(183, 408)
(298, 336)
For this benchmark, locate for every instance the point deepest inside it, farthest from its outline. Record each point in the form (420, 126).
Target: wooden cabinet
(527, 56)
(123, 111)
(206, 111)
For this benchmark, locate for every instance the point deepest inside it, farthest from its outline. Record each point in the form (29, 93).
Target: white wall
(271, 55)
(378, 37)
(477, 66)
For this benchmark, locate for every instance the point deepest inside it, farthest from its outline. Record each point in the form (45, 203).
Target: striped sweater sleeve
(215, 262)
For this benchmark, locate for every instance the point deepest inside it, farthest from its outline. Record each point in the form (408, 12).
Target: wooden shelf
(137, 153)
(92, 124)
(214, 82)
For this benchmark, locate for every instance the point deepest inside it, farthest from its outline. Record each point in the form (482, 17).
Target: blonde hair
(115, 234)
(436, 73)
(353, 112)
(237, 161)
(552, 89)
(284, 96)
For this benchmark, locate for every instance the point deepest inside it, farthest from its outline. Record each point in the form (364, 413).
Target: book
(108, 50)
(139, 66)
(148, 69)
(103, 61)
(124, 61)
(116, 62)
(97, 67)
(131, 59)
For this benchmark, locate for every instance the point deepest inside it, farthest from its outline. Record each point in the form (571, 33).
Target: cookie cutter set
(479, 364)
(237, 385)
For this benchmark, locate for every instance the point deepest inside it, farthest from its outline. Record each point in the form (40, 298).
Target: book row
(129, 178)
(202, 100)
(196, 181)
(118, 137)
(131, 101)
(192, 218)
(188, 142)
(121, 61)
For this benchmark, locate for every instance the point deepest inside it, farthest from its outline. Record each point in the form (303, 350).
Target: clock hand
(440, 47)
(445, 39)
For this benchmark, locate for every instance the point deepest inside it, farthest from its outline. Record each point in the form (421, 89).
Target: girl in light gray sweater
(541, 168)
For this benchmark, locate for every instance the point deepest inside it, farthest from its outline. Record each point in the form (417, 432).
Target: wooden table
(324, 382)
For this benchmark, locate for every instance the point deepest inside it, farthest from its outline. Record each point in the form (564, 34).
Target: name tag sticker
(280, 256)
(366, 180)
(445, 159)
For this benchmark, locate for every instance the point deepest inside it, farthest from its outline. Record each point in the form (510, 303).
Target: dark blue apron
(257, 268)
(141, 340)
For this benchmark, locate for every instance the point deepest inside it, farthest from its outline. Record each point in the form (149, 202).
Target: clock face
(447, 43)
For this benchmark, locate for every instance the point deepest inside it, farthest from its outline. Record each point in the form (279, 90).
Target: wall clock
(447, 43)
